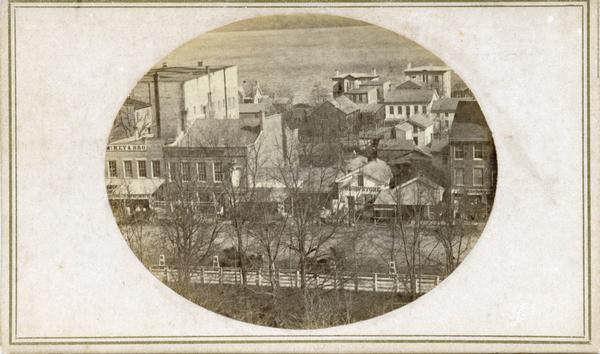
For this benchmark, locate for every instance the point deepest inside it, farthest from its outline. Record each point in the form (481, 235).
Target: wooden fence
(288, 278)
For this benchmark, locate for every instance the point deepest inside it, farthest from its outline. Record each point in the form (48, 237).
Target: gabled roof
(420, 120)
(469, 123)
(379, 82)
(409, 96)
(434, 68)
(344, 104)
(445, 104)
(370, 108)
(251, 107)
(397, 144)
(438, 145)
(406, 126)
(137, 104)
(390, 196)
(378, 170)
(374, 133)
(361, 89)
(219, 133)
(356, 163)
(411, 85)
(355, 75)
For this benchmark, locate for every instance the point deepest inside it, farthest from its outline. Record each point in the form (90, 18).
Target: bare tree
(409, 230)
(190, 233)
(132, 218)
(318, 94)
(126, 123)
(313, 222)
(452, 231)
(267, 230)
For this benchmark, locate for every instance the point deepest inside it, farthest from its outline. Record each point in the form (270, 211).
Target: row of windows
(479, 152)
(425, 78)
(459, 176)
(177, 170)
(407, 109)
(128, 165)
(183, 171)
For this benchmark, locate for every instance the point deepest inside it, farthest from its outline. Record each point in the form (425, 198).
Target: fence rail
(290, 278)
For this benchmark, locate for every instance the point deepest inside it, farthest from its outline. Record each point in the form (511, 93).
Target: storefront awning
(142, 188)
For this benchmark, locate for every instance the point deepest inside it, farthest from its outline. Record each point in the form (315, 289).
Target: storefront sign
(367, 190)
(126, 148)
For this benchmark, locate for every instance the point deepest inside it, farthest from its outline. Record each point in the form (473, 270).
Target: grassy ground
(291, 308)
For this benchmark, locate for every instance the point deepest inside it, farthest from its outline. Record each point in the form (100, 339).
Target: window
(459, 152)
(399, 109)
(446, 114)
(478, 176)
(142, 169)
(361, 181)
(186, 171)
(174, 171)
(416, 109)
(423, 109)
(155, 168)
(201, 167)
(391, 110)
(217, 172)
(112, 168)
(436, 78)
(459, 176)
(478, 152)
(408, 111)
(127, 169)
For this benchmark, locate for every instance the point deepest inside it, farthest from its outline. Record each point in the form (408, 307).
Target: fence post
(258, 280)
(167, 274)
(201, 275)
(297, 278)
(395, 283)
(335, 280)
(375, 282)
(278, 277)
(437, 280)
(356, 282)
(235, 282)
(220, 276)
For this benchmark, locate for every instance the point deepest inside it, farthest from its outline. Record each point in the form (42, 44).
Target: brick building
(334, 120)
(134, 171)
(472, 159)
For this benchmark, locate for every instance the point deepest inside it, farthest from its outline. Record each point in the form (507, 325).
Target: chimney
(337, 72)
(200, 64)
(157, 104)
(164, 65)
(262, 120)
(374, 72)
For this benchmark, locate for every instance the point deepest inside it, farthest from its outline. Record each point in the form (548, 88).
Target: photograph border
(14, 339)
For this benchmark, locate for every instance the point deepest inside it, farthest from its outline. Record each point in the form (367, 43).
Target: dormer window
(361, 180)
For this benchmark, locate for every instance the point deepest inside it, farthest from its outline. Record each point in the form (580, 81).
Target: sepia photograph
(298, 177)
(301, 171)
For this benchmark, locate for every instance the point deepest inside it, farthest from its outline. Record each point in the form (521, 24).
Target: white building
(417, 192)
(362, 183)
(400, 104)
(422, 129)
(181, 95)
(434, 77)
